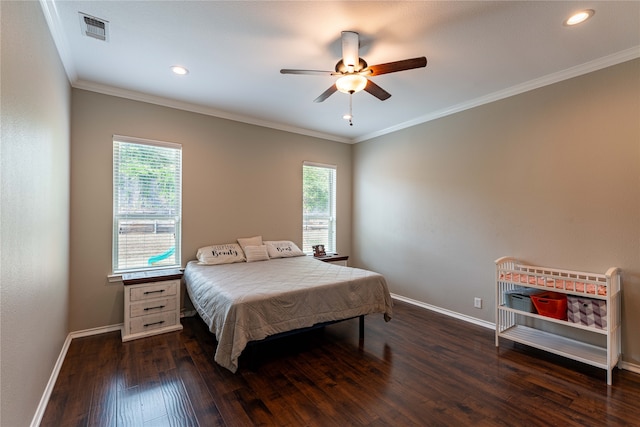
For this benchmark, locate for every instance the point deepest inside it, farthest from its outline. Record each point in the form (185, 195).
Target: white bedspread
(245, 302)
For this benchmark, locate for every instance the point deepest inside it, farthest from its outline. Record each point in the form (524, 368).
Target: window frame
(177, 219)
(331, 244)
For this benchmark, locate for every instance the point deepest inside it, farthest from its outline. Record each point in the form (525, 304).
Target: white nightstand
(335, 259)
(151, 303)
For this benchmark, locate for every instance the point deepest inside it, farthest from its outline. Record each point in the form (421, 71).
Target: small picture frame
(318, 251)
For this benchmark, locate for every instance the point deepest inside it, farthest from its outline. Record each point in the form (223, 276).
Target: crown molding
(195, 108)
(53, 21)
(588, 67)
(59, 39)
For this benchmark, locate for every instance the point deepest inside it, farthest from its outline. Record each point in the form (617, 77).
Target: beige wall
(239, 180)
(551, 176)
(34, 218)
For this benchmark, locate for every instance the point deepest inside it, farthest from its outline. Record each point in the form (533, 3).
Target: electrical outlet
(477, 302)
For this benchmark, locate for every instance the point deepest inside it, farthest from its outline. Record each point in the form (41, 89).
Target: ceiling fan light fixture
(351, 83)
(579, 17)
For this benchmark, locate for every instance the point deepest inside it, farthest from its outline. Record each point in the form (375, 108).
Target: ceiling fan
(354, 71)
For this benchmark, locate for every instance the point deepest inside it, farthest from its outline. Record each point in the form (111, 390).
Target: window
(318, 206)
(147, 187)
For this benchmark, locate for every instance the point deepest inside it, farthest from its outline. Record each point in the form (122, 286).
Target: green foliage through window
(146, 204)
(318, 207)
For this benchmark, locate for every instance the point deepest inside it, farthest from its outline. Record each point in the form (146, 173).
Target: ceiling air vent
(94, 27)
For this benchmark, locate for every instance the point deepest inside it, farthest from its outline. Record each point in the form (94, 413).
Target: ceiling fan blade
(392, 67)
(307, 72)
(377, 91)
(327, 93)
(350, 46)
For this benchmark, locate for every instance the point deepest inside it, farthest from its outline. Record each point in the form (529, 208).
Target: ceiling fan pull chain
(350, 115)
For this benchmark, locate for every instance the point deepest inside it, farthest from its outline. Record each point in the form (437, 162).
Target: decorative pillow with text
(282, 249)
(226, 253)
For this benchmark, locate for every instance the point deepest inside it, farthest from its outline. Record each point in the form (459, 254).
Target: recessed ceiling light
(177, 69)
(579, 17)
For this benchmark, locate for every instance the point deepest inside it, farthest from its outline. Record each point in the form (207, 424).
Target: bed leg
(361, 327)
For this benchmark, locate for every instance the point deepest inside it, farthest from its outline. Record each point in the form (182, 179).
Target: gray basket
(519, 299)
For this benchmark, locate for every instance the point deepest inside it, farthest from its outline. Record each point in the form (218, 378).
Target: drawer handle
(154, 308)
(155, 323)
(154, 292)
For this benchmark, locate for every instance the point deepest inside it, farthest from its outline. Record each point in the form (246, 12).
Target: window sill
(114, 278)
(117, 277)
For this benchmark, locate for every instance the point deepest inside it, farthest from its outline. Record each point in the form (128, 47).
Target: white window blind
(147, 204)
(318, 206)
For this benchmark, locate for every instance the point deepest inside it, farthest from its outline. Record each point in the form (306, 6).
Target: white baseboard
(42, 406)
(188, 313)
(469, 319)
(490, 325)
(96, 331)
(629, 367)
(44, 401)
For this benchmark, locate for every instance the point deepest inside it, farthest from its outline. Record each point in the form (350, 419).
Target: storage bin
(587, 311)
(520, 299)
(551, 304)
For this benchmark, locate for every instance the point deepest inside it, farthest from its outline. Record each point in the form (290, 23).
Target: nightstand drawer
(155, 290)
(152, 321)
(143, 308)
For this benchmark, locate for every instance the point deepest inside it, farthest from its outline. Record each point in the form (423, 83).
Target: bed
(242, 302)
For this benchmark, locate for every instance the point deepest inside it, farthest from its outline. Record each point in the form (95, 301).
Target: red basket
(551, 304)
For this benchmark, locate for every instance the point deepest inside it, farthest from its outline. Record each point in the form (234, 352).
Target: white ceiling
(477, 52)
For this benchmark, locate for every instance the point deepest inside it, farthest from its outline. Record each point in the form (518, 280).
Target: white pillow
(256, 253)
(227, 253)
(282, 249)
(250, 241)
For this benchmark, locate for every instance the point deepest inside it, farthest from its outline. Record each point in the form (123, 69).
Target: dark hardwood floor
(422, 368)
